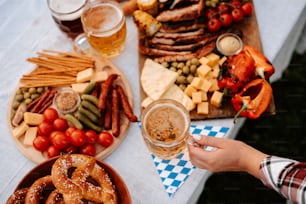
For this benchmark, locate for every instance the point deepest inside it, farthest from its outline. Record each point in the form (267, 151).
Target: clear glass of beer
(67, 15)
(104, 27)
(165, 128)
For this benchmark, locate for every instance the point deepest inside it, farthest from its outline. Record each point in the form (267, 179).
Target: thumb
(203, 140)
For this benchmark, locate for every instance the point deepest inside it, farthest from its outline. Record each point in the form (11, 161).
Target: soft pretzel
(34, 192)
(18, 196)
(55, 197)
(76, 188)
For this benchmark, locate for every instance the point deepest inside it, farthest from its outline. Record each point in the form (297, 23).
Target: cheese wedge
(84, 75)
(156, 79)
(20, 130)
(33, 118)
(30, 136)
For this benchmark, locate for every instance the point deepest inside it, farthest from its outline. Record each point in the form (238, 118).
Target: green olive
(15, 105)
(181, 79)
(28, 101)
(165, 64)
(181, 65)
(179, 71)
(19, 91)
(32, 90)
(172, 69)
(19, 97)
(24, 90)
(40, 89)
(26, 95)
(190, 78)
(34, 96)
(174, 64)
(193, 69)
(186, 70)
(195, 61)
(182, 86)
(188, 63)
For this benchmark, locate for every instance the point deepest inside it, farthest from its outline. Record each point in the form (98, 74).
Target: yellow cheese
(203, 60)
(214, 85)
(222, 60)
(33, 118)
(213, 59)
(196, 97)
(79, 87)
(216, 99)
(215, 72)
(189, 90)
(206, 85)
(203, 108)
(84, 75)
(204, 96)
(149, 6)
(30, 136)
(99, 76)
(20, 130)
(203, 70)
(196, 82)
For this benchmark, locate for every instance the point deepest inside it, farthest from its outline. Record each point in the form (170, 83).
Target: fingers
(202, 140)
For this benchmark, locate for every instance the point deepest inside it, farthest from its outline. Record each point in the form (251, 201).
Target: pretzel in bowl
(77, 187)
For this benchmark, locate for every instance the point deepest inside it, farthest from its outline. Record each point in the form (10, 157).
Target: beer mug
(67, 15)
(104, 27)
(165, 128)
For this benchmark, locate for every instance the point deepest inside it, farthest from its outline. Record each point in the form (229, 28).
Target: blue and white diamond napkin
(175, 172)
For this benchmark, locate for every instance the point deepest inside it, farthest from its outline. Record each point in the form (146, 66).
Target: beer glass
(67, 15)
(165, 128)
(104, 27)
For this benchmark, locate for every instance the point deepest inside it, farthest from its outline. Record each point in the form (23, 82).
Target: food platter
(44, 169)
(249, 32)
(100, 64)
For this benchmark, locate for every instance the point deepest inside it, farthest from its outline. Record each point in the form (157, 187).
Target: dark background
(282, 134)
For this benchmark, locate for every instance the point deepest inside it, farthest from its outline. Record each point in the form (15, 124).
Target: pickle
(86, 121)
(88, 113)
(91, 107)
(89, 87)
(74, 121)
(90, 98)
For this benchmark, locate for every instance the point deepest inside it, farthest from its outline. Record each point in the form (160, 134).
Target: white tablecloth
(26, 27)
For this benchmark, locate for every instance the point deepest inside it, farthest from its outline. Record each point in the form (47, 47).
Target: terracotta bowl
(44, 169)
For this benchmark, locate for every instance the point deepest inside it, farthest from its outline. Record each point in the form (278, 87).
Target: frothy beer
(67, 15)
(105, 27)
(165, 128)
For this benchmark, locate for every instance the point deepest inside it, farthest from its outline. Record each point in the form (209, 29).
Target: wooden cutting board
(250, 36)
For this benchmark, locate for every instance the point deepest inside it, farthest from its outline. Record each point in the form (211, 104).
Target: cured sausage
(105, 89)
(127, 109)
(115, 113)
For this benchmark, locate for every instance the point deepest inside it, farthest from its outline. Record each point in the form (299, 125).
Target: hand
(229, 155)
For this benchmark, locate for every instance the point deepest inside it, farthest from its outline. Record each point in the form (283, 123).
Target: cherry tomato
(60, 140)
(60, 124)
(77, 137)
(41, 143)
(88, 149)
(237, 15)
(235, 4)
(71, 149)
(247, 8)
(50, 114)
(91, 136)
(226, 19)
(214, 25)
(52, 151)
(45, 128)
(69, 130)
(105, 139)
(211, 13)
(223, 8)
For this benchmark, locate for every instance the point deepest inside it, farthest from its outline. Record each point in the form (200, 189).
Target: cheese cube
(213, 59)
(30, 136)
(215, 72)
(196, 97)
(79, 87)
(20, 130)
(206, 85)
(203, 108)
(203, 60)
(189, 90)
(222, 60)
(216, 99)
(196, 82)
(204, 96)
(99, 76)
(203, 70)
(33, 118)
(214, 85)
(84, 75)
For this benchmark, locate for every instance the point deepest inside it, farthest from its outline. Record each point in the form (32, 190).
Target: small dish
(66, 100)
(229, 44)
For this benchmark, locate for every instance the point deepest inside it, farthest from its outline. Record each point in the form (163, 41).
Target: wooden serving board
(101, 64)
(250, 36)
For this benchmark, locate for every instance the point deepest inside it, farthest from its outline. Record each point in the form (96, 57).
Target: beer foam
(66, 9)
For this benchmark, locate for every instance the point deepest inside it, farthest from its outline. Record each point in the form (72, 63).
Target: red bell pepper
(263, 67)
(253, 99)
(236, 71)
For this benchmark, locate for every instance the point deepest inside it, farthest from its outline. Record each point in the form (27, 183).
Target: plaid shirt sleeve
(288, 177)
